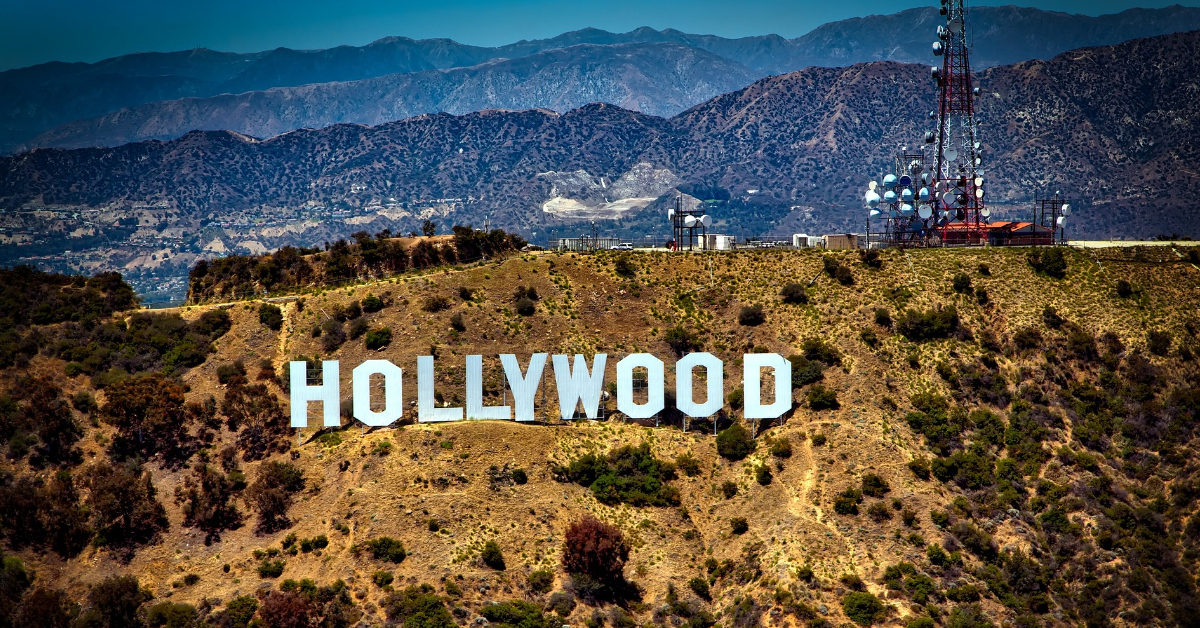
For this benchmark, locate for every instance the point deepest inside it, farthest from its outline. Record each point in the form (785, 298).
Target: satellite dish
(932, 115)
(905, 181)
(985, 212)
(935, 72)
(889, 197)
(1062, 221)
(670, 213)
(978, 146)
(706, 220)
(978, 182)
(689, 221)
(948, 198)
(937, 48)
(960, 199)
(925, 212)
(978, 161)
(978, 192)
(929, 138)
(916, 167)
(942, 33)
(923, 194)
(872, 200)
(926, 178)
(889, 181)
(1066, 209)
(874, 213)
(906, 195)
(906, 210)
(872, 185)
(955, 27)
(951, 154)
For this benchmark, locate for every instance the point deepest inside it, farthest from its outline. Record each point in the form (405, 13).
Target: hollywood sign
(576, 384)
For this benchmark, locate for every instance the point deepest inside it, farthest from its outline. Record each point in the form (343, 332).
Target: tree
(595, 549)
(429, 228)
(525, 306)
(206, 495)
(150, 417)
(271, 493)
(271, 316)
(45, 608)
(794, 294)
(962, 283)
(125, 510)
(863, 608)
(253, 411)
(378, 338)
(14, 580)
(874, 486)
(417, 607)
(1050, 262)
(115, 603)
(734, 442)
(492, 556)
(751, 316)
(822, 398)
(287, 609)
(682, 341)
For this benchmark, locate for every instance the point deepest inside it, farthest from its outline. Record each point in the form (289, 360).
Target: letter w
(577, 385)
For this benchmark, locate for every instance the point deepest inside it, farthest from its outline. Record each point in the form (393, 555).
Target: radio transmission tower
(958, 187)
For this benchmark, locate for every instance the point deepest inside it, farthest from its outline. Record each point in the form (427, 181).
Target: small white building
(719, 242)
(801, 240)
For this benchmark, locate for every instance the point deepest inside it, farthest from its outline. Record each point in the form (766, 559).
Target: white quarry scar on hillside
(579, 194)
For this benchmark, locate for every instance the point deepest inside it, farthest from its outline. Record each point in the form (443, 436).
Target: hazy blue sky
(34, 31)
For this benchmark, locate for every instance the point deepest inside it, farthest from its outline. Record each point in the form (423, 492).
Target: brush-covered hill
(68, 104)
(978, 438)
(1111, 127)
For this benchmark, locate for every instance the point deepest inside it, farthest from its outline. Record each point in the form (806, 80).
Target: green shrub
(931, 324)
(519, 476)
(271, 316)
(378, 338)
(794, 294)
(525, 306)
(874, 486)
(382, 578)
(846, 502)
(1051, 317)
(1158, 342)
(492, 556)
(386, 548)
(541, 581)
(682, 341)
(562, 603)
(781, 447)
(822, 398)
(729, 489)
(630, 475)
(751, 316)
(517, 614)
(1050, 262)
(417, 607)
(699, 586)
(372, 304)
(818, 439)
(270, 568)
(734, 442)
(457, 323)
(879, 512)
(962, 284)
(1124, 289)
(883, 317)
(822, 351)
(738, 525)
(805, 371)
(688, 463)
(762, 474)
(624, 266)
(863, 608)
(436, 303)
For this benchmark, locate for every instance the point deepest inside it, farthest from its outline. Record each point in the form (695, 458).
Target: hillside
(660, 79)
(1110, 127)
(43, 97)
(971, 442)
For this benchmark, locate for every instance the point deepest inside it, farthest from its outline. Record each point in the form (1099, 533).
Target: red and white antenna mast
(958, 184)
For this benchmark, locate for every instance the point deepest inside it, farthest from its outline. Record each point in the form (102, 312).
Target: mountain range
(164, 95)
(1112, 127)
